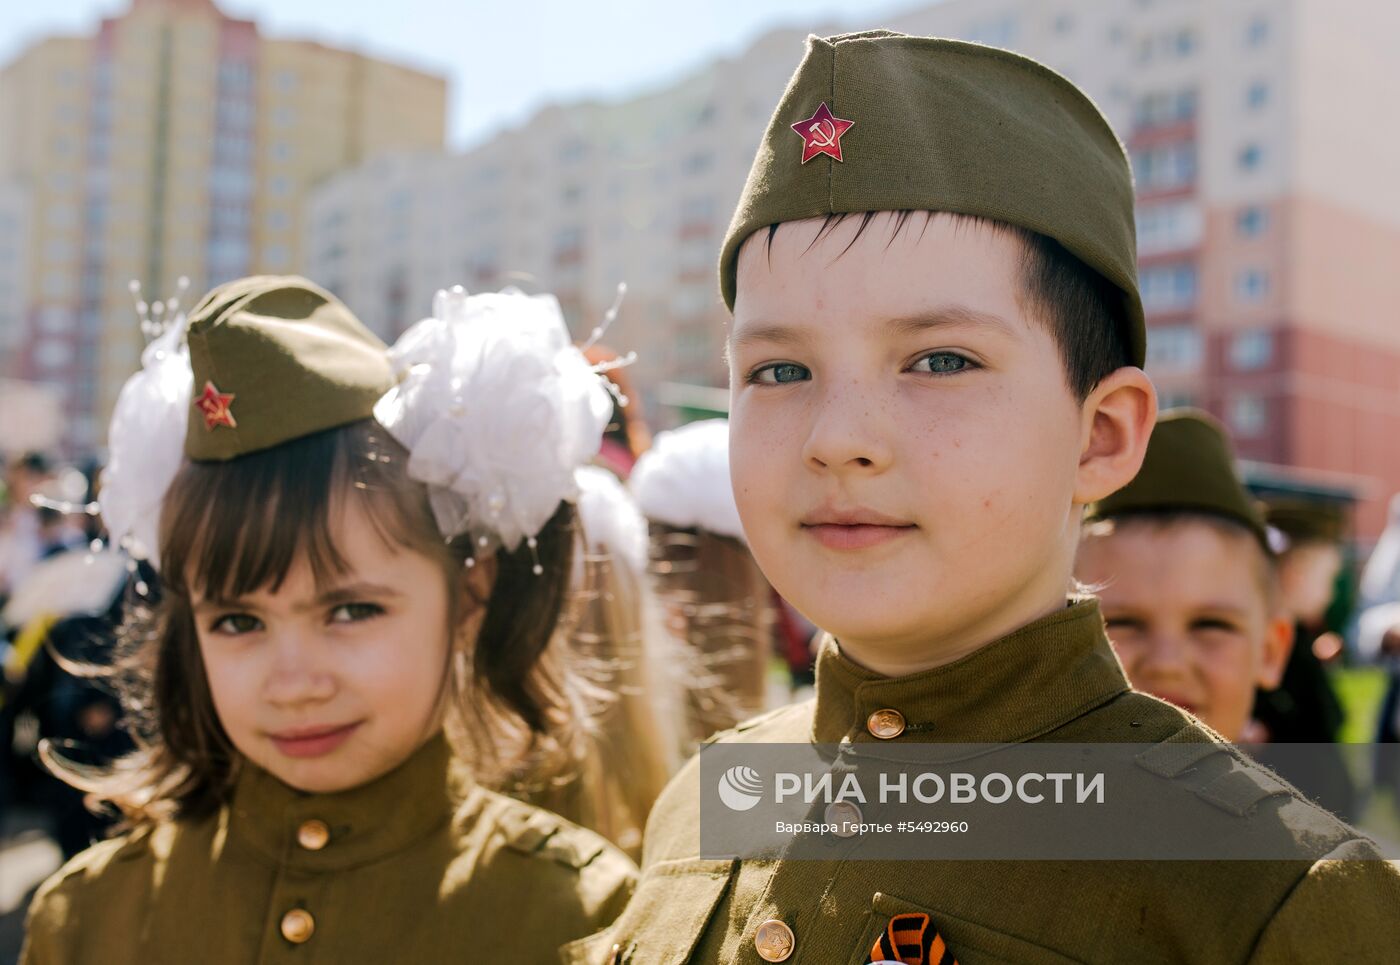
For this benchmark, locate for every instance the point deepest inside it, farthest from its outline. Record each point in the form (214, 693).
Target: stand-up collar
(323, 832)
(1026, 683)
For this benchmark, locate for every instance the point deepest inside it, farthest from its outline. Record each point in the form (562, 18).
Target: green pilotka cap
(1307, 521)
(276, 358)
(1190, 468)
(881, 121)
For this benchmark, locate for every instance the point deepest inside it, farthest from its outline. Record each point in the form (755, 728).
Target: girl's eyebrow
(332, 597)
(348, 594)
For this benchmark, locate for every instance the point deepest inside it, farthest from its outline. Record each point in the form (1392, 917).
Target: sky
(503, 58)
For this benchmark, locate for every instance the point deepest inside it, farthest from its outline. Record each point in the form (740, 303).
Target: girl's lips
(854, 537)
(313, 743)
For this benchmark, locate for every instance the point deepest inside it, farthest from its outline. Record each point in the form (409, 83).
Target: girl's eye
(779, 373)
(355, 612)
(236, 624)
(943, 363)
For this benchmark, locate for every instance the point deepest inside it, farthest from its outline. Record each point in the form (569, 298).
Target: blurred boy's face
(1188, 613)
(903, 442)
(1308, 579)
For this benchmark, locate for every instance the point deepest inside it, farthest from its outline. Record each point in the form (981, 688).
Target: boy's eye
(236, 624)
(1212, 625)
(779, 373)
(1120, 628)
(355, 612)
(942, 363)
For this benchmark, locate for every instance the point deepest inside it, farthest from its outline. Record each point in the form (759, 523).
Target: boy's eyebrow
(332, 597)
(945, 316)
(767, 334)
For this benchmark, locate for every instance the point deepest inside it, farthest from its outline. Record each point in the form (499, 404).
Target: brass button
(298, 925)
(774, 941)
(842, 812)
(313, 835)
(885, 724)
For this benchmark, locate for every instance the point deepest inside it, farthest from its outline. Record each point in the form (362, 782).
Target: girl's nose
(297, 676)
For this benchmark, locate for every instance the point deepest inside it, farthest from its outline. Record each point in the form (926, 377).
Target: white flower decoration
(146, 440)
(497, 408)
(612, 522)
(683, 479)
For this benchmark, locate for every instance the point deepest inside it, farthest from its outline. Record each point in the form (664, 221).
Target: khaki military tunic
(395, 871)
(1055, 680)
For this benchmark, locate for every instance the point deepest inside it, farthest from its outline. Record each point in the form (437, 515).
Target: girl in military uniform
(364, 555)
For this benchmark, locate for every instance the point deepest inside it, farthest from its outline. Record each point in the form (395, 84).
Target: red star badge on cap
(821, 134)
(215, 406)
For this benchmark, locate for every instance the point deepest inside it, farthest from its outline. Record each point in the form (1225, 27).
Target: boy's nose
(1167, 654)
(846, 435)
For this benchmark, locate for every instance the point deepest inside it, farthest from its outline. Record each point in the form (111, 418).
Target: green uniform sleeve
(1345, 909)
(51, 914)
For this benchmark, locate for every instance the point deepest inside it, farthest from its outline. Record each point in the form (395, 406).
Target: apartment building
(176, 141)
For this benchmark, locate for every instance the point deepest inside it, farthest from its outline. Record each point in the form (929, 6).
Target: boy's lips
(854, 527)
(312, 741)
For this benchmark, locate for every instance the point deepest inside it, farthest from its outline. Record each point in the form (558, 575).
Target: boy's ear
(1116, 421)
(1278, 644)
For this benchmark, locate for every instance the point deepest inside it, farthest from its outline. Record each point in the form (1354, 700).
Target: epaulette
(1217, 773)
(749, 724)
(533, 831)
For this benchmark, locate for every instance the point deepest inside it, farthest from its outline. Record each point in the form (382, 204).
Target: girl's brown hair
(228, 529)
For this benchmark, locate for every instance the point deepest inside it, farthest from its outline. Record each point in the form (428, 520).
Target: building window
(1165, 168)
(286, 80)
(1175, 348)
(573, 150)
(51, 354)
(1169, 288)
(55, 321)
(1248, 415)
(1252, 350)
(1178, 399)
(994, 33)
(1251, 157)
(1064, 23)
(281, 151)
(1168, 226)
(1257, 32)
(1166, 107)
(1257, 96)
(278, 221)
(1251, 285)
(1185, 43)
(1252, 221)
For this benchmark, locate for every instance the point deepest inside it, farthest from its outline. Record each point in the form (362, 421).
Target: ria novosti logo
(740, 788)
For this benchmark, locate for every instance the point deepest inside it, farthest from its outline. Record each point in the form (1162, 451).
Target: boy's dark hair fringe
(1085, 312)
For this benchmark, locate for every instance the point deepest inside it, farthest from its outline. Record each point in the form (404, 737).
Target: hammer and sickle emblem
(823, 133)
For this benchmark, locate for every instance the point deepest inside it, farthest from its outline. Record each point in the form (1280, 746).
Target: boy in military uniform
(934, 367)
(1181, 563)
